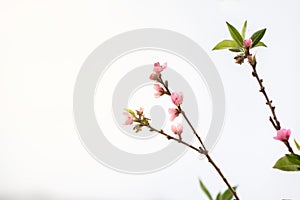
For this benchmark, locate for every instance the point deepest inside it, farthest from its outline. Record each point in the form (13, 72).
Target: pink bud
(129, 118)
(177, 98)
(177, 129)
(141, 111)
(159, 68)
(247, 43)
(174, 112)
(283, 135)
(157, 64)
(159, 89)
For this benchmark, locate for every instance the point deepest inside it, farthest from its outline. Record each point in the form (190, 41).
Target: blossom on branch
(177, 129)
(283, 135)
(247, 43)
(159, 68)
(129, 118)
(159, 89)
(177, 98)
(174, 112)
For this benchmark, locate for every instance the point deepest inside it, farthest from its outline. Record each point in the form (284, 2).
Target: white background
(42, 47)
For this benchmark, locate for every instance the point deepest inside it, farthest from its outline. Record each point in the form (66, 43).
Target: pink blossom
(159, 89)
(129, 118)
(283, 135)
(159, 68)
(174, 112)
(177, 129)
(177, 98)
(247, 43)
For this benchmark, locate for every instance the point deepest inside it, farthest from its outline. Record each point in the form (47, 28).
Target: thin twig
(273, 119)
(169, 137)
(193, 129)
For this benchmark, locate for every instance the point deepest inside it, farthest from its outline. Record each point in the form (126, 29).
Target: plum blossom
(283, 135)
(177, 98)
(177, 129)
(129, 118)
(159, 89)
(174, 112)
(159, 68)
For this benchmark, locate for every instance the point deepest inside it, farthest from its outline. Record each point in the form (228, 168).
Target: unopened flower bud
(247, 43)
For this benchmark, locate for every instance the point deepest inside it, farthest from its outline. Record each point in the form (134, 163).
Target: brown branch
(201, 151)
(169, 137)
(273, 119)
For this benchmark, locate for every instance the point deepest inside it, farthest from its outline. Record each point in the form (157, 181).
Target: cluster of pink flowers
(161, 89)
(177, 98)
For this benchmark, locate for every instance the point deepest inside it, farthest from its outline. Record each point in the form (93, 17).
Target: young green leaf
(219, 196)
(225, 44)
(290, 162)
(236, 50)
(236, 36)
(244, 30)
(259, 44)
(227, 195)
(205, 190)
(130, 111)
(297, 145)
(257, 36)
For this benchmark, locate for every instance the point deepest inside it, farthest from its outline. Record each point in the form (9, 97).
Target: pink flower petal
(177, 98)
(177, 129)
(129, 118)
(283, 135)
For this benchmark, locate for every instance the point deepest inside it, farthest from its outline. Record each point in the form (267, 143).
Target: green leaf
(225, 44)
(227, 195)
(219, 196)
(244, 30)
(294, 158)
(259, 44)
(236, 50)
(297, 145)
(236, 36)
(205, 190)
(130, 111)
(290, 162)
(257, 36)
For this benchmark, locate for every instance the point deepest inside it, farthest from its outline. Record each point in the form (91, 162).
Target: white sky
(43, 45)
